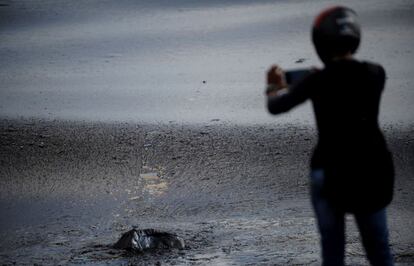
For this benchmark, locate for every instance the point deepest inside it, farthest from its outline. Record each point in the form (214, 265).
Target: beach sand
(238, 195)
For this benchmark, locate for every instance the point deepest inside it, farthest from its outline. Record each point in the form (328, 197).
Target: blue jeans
(331, 224)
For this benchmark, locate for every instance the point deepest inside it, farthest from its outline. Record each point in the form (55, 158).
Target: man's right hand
(276, 76)
(275, 80)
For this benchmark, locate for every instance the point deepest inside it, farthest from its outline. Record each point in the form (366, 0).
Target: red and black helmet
(336, 32)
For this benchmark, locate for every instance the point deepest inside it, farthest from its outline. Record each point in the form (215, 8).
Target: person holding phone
(351, 167)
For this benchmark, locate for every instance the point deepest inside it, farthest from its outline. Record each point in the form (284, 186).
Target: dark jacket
(351, 147)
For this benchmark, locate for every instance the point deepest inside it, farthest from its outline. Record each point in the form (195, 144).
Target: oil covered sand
(237, 195)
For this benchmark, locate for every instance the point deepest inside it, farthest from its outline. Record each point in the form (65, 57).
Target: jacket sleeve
(294, 96)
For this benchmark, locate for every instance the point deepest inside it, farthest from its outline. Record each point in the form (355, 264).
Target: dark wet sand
(237, 194)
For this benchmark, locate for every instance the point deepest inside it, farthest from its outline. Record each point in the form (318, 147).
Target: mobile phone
(295, 75)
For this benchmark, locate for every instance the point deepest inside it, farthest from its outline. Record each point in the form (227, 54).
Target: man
(352, 169)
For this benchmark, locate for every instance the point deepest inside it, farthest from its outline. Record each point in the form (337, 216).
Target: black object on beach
(296, 75)
(139, 241)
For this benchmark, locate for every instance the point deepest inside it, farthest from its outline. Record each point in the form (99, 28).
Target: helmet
(336, 31)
